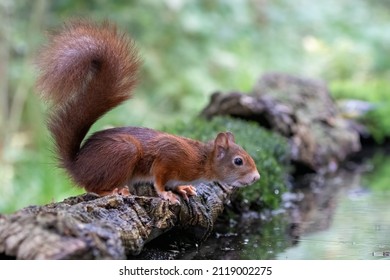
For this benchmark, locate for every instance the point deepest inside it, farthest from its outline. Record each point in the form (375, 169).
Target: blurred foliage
(190, 49)
(377, 179)
(269, 150)
(375, 91)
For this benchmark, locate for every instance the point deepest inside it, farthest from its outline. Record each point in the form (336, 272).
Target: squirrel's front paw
(170, 197)
(185, 191)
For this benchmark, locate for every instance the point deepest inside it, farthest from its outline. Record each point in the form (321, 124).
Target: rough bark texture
(111, 227)
(300, 109)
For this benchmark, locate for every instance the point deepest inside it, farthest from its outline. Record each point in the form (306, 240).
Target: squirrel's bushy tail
(85, 71)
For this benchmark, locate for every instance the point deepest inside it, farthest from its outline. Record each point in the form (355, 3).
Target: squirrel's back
(85, 70)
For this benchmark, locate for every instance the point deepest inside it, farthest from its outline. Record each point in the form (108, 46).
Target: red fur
(85, 71)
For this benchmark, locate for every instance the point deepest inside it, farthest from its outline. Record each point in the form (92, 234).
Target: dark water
(342, 216)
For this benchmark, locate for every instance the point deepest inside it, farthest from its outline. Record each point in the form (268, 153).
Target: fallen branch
(111, 227)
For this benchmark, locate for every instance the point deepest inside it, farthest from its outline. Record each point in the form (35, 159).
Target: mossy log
(300, 109)
(111, 227)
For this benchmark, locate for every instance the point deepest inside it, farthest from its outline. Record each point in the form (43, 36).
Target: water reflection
(346, 220)
(346, 216)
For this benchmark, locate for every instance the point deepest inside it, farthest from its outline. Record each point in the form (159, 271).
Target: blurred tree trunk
(5, 15)
(23, 88)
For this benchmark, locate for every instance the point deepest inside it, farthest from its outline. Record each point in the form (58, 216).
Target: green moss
(269, 151)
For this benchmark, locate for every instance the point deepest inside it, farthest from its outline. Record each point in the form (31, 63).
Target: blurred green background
(189, 49)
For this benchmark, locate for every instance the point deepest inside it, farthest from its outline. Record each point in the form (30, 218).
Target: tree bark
(111, 227)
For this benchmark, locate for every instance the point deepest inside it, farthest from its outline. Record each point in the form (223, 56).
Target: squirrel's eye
(238, 161)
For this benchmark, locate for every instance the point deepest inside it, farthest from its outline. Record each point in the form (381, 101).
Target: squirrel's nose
(256, 177)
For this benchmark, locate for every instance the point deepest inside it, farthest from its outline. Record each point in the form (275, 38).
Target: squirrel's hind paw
(120, 191)
(168, 195)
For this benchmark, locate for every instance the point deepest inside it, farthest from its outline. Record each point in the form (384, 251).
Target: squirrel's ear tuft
(222, 143)
(230, 136)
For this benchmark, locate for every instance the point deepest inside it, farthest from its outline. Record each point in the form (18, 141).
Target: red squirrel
(87, 69)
